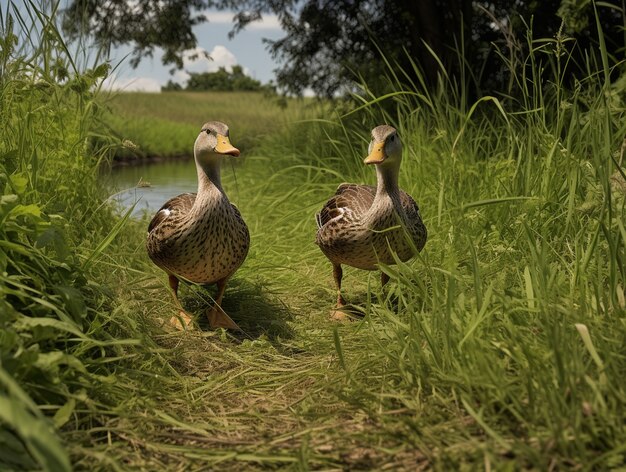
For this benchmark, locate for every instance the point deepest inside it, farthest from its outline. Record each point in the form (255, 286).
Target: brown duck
(362, 226)
(201, 237)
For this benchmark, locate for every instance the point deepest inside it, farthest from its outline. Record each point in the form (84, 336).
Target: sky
(245, 49)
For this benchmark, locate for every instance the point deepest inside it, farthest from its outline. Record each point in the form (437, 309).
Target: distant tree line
(329, 43)
(221, 81)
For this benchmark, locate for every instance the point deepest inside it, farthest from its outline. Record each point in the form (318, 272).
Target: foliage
(223, 81)
(329, 44)
(49, 213)
(501, 345)
(168, 25)
(172, 86)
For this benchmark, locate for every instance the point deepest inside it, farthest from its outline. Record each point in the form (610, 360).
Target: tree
(145, 24)
(328, 43)
(171, 86)
(222, 80)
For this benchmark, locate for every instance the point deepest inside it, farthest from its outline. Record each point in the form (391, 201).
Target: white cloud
(131, 84)
(196, 60)
(267, 22)
(199, 60)
(219, 16)
(180, 76)
(222, 57)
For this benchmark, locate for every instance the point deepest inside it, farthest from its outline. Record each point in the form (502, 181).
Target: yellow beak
(224, 146)
(377, 155)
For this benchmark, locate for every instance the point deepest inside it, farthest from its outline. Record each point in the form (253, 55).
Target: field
(500, 346)
(166, 125)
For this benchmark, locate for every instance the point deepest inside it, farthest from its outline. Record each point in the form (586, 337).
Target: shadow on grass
(357, 300)
(256, 311)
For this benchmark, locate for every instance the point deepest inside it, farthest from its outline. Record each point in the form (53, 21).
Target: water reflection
(150, 185)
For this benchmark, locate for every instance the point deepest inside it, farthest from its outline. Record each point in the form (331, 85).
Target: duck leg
(182, 320)
(217, 317)
(338, 314)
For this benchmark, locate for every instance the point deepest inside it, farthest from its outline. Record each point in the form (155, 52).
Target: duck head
(213, 143)
(385, 149)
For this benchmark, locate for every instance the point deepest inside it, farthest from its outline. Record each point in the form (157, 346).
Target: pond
(150, 185)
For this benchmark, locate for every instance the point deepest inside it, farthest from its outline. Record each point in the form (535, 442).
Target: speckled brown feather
(361, 228)
(199, 237)
(202, 250)
(177, 205)
(358, 198)
(346, 237)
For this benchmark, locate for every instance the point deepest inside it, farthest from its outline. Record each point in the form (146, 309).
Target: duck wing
(409, 206)
(175, 206)
(351, 199)
(415, 225)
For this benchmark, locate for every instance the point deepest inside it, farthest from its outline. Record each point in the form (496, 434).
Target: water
(150, 185)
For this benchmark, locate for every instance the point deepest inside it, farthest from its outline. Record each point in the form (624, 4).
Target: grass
(500, 346)
(164, 125)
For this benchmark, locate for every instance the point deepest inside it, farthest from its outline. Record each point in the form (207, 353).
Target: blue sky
(245, 49)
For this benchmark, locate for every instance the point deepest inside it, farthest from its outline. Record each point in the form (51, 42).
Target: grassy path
(274, 398)
(451, 364)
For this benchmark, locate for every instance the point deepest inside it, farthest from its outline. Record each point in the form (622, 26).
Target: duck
(201, 237)
(363, 226)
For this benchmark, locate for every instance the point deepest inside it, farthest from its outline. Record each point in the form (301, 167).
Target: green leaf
(109, 238)
(74, 301)
(586, 337)
(19, 413)
(25, 323)
(14, 454)
(8, 199)
(53, 236)
(19, 183)
(64, 413)
(101, 71)
(22, 210)
(50, 360)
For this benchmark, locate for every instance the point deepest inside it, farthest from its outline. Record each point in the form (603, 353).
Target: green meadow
(500, 346)
(166, 125)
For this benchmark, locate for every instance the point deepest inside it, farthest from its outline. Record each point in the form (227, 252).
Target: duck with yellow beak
(201, 237)
(362, 226)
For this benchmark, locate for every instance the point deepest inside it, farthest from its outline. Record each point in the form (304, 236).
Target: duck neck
(387, 187)
(209, 184)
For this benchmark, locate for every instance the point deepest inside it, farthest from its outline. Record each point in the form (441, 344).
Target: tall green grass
(56, 333)
(502, 343)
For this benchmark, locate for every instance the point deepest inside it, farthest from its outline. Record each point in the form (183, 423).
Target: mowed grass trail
(501, 345)
(258, 400)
